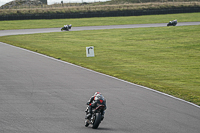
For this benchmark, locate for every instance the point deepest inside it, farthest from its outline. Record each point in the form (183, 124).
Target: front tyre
(97, 121)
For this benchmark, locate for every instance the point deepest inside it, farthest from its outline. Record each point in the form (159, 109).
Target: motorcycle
(66, 27)
(96, 117)
(172, 23)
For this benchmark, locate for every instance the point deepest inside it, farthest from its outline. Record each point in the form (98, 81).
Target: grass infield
(166, 59)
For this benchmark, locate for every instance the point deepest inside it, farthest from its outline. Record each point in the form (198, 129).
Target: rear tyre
(97, 121)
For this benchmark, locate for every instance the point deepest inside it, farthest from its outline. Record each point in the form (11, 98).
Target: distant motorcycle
(96, 116)
(66, 27)
(172, 23)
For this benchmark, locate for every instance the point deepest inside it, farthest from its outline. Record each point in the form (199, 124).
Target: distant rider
(174, 21)
(66, 26)
(93, 104)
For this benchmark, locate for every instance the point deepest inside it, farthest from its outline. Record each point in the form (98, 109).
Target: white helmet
(96, 93)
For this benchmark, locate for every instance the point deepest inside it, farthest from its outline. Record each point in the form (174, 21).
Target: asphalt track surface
(47, 30)
(40, 94)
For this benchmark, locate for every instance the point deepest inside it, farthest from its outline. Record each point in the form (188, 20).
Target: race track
(47, 30)
(40, 94)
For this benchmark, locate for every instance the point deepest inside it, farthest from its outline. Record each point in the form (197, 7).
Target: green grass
(32, 24)
(163, 58)
(16, 9)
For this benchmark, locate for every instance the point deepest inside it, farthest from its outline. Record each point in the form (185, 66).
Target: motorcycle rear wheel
(97, 121)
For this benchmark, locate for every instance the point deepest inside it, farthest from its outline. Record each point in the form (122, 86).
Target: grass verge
(115, 5)
(163, 58)
(32, 24)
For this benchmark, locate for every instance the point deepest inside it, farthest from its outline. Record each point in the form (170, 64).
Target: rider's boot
(86, 110)
(90, 112)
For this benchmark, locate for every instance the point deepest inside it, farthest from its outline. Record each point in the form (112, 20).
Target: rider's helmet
(99, 97)
(96, 93)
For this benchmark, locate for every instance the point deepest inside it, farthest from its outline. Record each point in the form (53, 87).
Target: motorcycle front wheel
(97, 121)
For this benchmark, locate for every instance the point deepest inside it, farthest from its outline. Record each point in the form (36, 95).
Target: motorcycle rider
(92, 103)
(66, 26)
(174, 21)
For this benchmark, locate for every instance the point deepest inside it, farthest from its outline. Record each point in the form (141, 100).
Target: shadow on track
(101, 128)
(105, 128)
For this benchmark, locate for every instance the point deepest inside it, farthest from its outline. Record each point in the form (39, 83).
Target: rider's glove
(88, 103)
